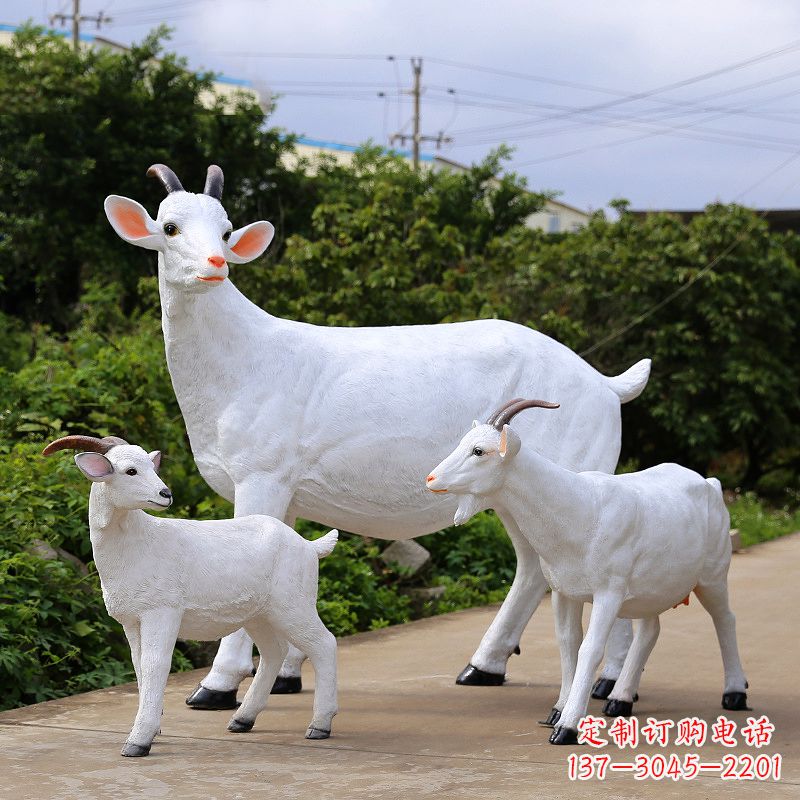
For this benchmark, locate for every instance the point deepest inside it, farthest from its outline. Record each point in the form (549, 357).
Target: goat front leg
(234, 660)
(624, 695)
(273, 650)
(567, 614)
(619, 643)
(605, 608)
(487, 667)
(158, 631)
(131, 628)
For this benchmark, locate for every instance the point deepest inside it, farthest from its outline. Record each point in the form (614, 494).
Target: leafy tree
(724, 379)
(390, 246)
(78, 126)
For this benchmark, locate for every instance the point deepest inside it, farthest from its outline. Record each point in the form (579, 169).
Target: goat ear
(155, 457)
(249, 242)
(132, 222)
(510, 443)
(94, 466)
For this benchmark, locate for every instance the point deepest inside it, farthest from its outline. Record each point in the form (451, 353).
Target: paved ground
(406, 731)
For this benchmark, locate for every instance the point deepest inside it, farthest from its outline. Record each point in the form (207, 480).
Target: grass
(758, 523)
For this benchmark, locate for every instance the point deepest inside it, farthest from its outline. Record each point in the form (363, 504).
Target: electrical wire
(641, 95)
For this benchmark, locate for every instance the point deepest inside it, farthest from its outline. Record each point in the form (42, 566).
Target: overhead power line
(704, 76)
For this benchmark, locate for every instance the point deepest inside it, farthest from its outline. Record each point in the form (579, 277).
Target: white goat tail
(631, 383)
(325, 544)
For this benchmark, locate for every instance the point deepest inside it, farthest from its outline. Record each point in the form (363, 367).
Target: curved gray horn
(89, 444)
(214, 182)
(498, 411)
(510, 411)
(167, 177)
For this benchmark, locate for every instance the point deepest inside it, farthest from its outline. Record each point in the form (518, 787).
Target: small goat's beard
(468, 506)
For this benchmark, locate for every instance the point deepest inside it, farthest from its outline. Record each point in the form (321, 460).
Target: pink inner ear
(94, 464)
(130, 222)
(251, 243)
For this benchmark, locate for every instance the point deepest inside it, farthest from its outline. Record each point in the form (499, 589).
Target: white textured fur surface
(337, 425)
(658, 535)
(164, 579)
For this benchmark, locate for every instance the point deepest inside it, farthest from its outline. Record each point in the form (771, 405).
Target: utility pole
(416, 138)
(416, 65)
(77, 18)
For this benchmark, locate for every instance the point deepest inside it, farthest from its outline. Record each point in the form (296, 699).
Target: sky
(668, 104)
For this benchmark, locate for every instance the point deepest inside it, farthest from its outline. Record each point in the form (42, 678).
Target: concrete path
(406, 731)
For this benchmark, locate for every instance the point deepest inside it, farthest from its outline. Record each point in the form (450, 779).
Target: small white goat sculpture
(336, 424)
(169, 578)
(633, 545)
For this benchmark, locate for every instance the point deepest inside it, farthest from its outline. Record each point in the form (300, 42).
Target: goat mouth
(211, 278)
(438, 491)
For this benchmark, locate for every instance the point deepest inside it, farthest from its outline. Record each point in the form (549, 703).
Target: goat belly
(203, 626)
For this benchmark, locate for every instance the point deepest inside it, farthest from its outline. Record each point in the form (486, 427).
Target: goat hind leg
(308, 632)
(487, 667)
(714, 598)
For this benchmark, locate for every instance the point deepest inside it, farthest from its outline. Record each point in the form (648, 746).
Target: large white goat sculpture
(660, 533)
(157, 584)
(335, 425)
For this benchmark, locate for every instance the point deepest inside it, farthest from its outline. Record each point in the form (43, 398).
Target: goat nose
(430, 478)
(166, 494)
(216, 261)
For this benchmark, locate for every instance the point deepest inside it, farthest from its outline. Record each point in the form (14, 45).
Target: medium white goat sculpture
(659, 534)
(336, 424)
(169, 578)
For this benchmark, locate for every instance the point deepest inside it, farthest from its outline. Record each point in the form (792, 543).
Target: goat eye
(130, 471)
(171, 229)
(226, 236)
(477, 452)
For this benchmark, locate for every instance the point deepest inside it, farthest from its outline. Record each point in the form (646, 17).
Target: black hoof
(240, 726)
(602, 688)
(317, 733)
(564, 736)
(517, 651)
(618, 708)
(735, 701)
(202, 699)
(553, 717)
(472, 676)
(130, 750)
(289, 685)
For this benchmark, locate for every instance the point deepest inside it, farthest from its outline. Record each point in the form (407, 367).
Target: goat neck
(211, 334)
(103, 514)
(554, 506)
